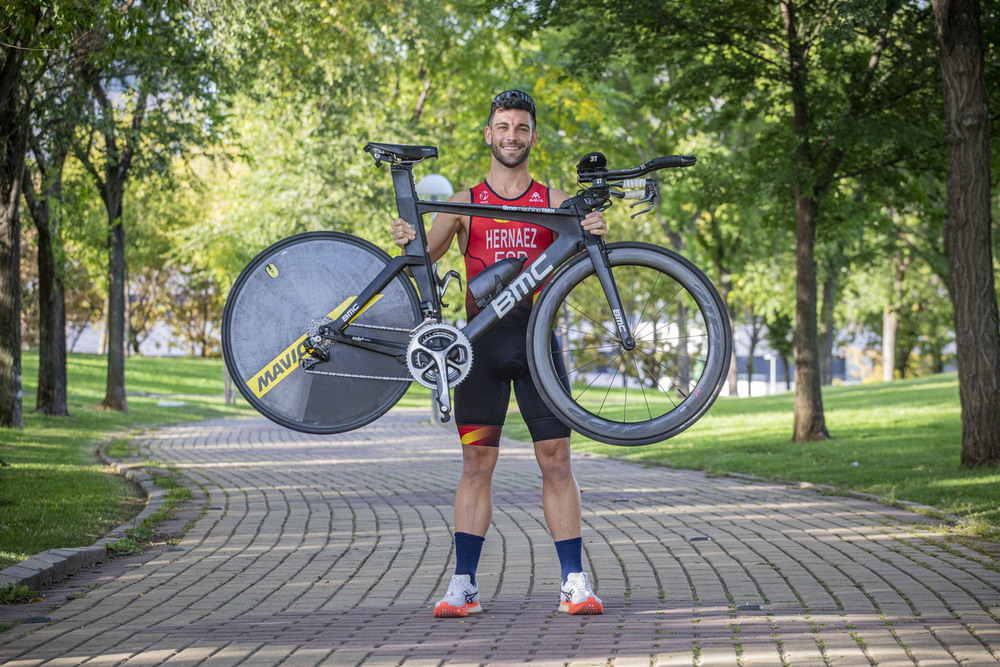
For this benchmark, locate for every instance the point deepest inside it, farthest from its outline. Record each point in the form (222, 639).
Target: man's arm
(444, 229)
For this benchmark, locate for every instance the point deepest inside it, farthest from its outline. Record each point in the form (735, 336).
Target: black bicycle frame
(565, 222)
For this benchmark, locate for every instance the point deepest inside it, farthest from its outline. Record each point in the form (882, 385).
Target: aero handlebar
(586, 175)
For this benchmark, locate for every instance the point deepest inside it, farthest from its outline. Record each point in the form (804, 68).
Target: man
(500, 359)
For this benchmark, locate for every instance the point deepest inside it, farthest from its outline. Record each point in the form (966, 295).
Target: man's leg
(474, 497)
(560, 493)
(561, 502)
(473, 512)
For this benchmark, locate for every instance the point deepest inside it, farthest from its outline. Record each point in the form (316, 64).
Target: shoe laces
(577, 582)
(459, 585)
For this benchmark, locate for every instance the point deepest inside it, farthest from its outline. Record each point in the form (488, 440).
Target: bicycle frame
(565, 222)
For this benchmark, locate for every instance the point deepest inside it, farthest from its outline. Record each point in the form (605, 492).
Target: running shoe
(577, 596)
(461, 600)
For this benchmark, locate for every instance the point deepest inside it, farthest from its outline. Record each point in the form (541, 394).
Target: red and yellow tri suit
(500, 356)
(491, 240)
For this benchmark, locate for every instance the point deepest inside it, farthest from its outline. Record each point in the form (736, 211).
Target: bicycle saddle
(393, 153)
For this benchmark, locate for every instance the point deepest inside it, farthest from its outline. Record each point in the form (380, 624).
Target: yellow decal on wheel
(288, 359)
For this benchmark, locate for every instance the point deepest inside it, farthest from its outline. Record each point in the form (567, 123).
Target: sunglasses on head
(516, 94)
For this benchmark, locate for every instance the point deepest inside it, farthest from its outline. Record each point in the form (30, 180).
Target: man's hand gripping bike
(323, 332)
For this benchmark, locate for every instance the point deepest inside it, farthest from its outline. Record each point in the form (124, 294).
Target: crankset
(439, 357)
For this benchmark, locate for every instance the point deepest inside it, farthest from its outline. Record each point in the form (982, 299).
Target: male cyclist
(500, 360)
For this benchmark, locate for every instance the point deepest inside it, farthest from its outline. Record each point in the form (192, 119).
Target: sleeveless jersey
(491, 239)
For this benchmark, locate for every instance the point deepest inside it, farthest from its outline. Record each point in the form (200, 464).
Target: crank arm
(442, 397)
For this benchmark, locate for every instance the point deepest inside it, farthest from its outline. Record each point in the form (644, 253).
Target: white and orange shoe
(461, 599)
(577, 596)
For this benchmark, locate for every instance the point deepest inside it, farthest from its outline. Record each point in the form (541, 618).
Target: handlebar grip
(671, 161)
(634, 184)
(635, 194)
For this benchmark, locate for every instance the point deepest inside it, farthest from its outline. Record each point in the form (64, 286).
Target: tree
(967, 228)
(832, 81)
(153, 76)
(58, 101)
(14, 107)
(43, 195)
(30, 30)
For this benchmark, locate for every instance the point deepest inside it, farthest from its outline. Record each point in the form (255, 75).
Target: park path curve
(332, 550)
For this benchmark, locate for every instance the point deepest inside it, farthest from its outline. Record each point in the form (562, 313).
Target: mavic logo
(285, 363)
(535, 196)
(276, 371)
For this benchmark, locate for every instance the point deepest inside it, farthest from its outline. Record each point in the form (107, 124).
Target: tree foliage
(828, 84)
(818, 127)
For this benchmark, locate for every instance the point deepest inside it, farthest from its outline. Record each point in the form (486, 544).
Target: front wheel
(661, 386)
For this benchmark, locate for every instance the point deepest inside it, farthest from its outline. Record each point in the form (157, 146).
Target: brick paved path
(331, 550)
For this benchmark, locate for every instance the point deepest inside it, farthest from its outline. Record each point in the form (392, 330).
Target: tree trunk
(967, 229)
(890, 327)
(827, 331)
(114, 398)
(725, 287)
(809, 420)
(13, 144)
(12, 147)
(51, 399)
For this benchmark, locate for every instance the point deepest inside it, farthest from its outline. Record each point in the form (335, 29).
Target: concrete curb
(57, 564)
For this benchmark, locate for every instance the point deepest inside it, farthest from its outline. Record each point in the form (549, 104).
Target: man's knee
(553, 458)
(478, 461)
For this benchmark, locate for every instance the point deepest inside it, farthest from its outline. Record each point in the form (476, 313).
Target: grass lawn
(53, 491)
(898, 441)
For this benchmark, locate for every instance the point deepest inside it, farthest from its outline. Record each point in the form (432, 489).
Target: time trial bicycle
(323, 332)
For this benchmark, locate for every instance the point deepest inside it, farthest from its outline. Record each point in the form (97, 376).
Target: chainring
(436, 345)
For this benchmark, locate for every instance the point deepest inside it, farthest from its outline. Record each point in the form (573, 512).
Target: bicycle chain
(356, 376)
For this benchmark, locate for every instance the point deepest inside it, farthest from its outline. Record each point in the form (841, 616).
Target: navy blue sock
(467, 550)
(570, 556)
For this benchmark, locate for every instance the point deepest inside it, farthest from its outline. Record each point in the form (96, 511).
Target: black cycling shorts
(500, 359)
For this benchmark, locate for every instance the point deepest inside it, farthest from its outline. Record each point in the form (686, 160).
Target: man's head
(510, 128)
(512, 99)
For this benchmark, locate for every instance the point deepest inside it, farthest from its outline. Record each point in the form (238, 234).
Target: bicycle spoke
(642, 389)
(589, 317)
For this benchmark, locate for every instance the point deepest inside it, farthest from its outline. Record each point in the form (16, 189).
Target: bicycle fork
(598, 251)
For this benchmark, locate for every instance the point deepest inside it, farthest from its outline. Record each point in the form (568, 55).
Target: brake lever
(652, 192)
(645, 210)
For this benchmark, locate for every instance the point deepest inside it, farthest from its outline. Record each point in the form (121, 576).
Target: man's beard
(510, 160)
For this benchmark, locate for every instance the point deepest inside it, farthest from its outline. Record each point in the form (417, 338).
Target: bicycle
(323, 332)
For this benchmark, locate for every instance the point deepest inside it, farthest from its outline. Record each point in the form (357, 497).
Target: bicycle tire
(675, 372)
(267, 313)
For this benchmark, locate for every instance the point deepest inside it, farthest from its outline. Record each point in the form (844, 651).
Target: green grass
(53, 491)
(16, 594)
(900, 441)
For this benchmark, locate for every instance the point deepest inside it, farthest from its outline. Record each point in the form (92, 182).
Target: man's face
(510, 136)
